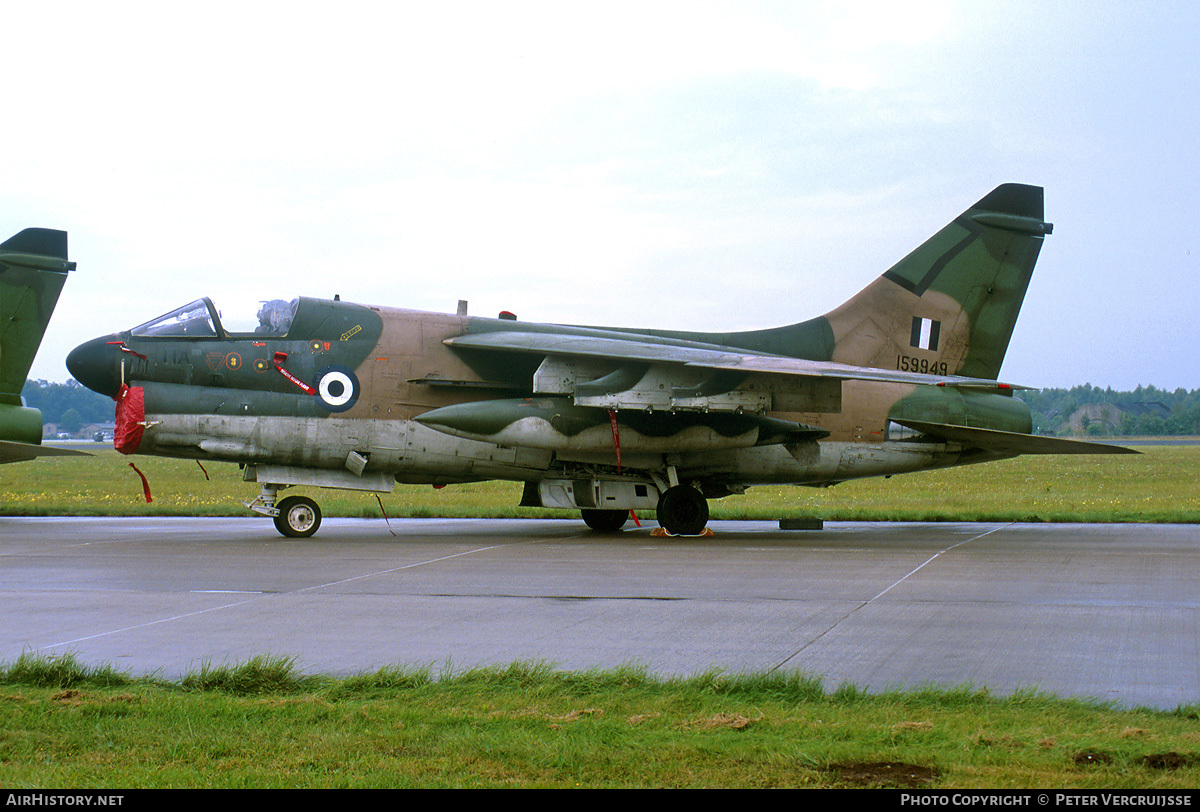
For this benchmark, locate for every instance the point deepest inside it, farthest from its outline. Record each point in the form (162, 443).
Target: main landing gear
(682, 511)
(296, 517)
(604, 521)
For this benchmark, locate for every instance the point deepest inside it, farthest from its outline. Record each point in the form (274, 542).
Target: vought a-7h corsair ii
(902, 377)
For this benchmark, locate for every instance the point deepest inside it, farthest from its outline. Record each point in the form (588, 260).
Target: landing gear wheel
(683, 511)
(605, 521)
(299, 517)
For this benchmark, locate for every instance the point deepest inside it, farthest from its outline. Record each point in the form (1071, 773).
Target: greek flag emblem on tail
(925, 333)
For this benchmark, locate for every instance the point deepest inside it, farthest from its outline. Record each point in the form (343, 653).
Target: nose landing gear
(296, 517)
(299, 517)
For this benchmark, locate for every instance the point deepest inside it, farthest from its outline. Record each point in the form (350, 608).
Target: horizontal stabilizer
(1009, 442)
(11, 451)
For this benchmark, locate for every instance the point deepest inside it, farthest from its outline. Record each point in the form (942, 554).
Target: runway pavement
(1102, 611)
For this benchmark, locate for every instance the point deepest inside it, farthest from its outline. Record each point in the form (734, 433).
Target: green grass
(1160, 485)
(530, 725)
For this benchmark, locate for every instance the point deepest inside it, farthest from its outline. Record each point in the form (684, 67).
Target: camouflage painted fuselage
(222, 397)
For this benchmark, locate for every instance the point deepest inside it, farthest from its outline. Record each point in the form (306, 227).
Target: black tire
(605, 521)
(683, 511)
(299, 517)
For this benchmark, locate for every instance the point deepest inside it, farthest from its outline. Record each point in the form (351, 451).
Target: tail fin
(950, 306)
(33, 268)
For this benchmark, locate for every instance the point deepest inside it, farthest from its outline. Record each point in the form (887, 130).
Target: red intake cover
(131, 413)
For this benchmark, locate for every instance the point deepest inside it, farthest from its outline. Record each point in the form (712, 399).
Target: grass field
(1160, 485)
(263, 725)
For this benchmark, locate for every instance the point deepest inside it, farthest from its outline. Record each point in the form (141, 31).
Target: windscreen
(190, 320)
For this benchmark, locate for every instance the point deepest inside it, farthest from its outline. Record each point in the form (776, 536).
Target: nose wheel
(299, 517)
(296, 517)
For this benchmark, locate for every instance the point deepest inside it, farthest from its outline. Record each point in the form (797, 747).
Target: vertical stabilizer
(950, 306)
(33, 268)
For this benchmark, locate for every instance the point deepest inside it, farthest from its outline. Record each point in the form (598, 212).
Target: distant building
(100, 432)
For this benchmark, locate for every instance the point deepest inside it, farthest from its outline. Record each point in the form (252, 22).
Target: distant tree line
(71, 406)
(1052, 410)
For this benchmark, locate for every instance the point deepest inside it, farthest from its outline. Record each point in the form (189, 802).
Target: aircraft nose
(97, 365)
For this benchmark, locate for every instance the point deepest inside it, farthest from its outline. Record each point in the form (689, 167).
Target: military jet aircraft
(902, 377)
(33, 269)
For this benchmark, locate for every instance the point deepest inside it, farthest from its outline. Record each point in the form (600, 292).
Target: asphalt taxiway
(1102, 611)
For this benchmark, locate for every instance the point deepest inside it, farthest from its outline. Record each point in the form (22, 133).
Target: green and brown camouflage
(33, 269)
(902, 377)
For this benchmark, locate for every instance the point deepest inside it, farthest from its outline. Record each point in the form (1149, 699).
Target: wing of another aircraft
(11, 451)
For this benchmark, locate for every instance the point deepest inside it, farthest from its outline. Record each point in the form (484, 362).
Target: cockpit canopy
(201, 319)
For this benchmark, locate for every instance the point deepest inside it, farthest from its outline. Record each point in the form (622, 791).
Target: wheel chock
(662, 531)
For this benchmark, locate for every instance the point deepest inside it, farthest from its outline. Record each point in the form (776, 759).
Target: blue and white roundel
(337, 388)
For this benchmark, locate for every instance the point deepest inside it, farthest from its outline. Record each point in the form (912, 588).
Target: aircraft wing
(12, 451)
(697, 355)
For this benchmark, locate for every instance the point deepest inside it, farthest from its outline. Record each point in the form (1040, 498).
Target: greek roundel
(337, 388)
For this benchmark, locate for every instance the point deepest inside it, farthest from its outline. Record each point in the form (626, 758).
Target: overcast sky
(681, 165)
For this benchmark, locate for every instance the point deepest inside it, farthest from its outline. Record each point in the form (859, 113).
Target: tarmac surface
(1108, 612)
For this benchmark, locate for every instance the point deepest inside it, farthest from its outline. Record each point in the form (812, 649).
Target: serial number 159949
(907, 363)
